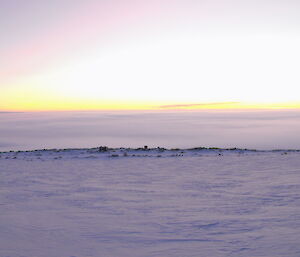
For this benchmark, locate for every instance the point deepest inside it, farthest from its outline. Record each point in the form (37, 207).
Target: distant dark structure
(103, 149)
(145, 147)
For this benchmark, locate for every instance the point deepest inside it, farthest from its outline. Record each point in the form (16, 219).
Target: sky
(159, 54)
(252, 129)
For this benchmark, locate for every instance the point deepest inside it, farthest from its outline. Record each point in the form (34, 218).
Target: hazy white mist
(250, 129)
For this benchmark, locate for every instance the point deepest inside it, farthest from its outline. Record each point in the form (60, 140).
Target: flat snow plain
(142, 203)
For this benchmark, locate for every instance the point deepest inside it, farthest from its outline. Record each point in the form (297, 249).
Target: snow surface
(126, 202)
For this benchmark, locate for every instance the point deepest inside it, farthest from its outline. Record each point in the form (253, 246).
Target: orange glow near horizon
(62, 105)
(149, 55)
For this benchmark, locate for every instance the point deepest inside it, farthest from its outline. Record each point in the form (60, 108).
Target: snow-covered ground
(140, 203)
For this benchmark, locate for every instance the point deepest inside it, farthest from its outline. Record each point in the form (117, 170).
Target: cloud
(4, 144)
(9, 112)
(196, 105)
(244, 129)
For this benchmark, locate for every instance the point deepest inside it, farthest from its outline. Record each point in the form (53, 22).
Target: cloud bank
(197, 105)
(250, 129)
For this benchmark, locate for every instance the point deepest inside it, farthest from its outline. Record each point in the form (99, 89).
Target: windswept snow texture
(135, 203)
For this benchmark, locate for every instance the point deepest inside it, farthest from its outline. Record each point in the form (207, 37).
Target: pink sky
(41, 33)
(38, 37)
(49, 37)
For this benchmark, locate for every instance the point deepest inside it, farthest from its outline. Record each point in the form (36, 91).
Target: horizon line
(146, 148)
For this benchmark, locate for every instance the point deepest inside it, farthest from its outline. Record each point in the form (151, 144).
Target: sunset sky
(158, 54)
